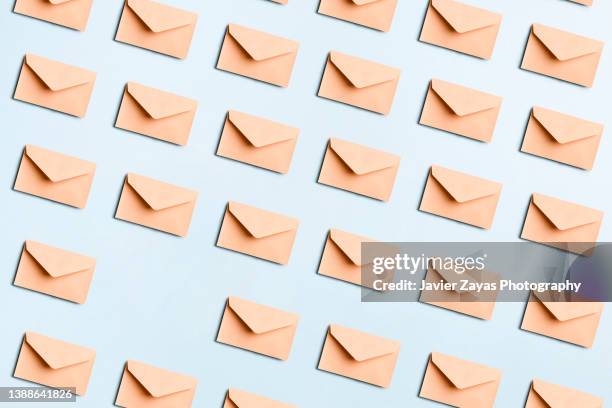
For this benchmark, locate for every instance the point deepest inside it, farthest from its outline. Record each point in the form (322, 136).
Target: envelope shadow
(120, 378)
(12, 374)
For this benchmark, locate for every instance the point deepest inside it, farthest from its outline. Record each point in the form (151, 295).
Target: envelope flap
(56, 353)
(244, 399)
(463, 18)
(565, 215)
(464, 101)
(259, 45)
(261, 223)
(56, 166)
(557, 396)
(261, 132)
(462, 373)
(349, 244)
(564, 311)
(160, 17)
(361, 159)
(565, 128)
(464, 187)
(259, 318)
(159, 382)
(563, 45)
(159, 195)
(362, 73)
(56, 75)
(159, 104)
(57, 262)
(362, 346)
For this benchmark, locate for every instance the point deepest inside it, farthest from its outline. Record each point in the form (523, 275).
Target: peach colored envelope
(359, 169)
(257, 328)
(547, 395)
(258, 141)
(54, 363)
(583, 2)
(242, 399)
(359, 82)
(54, 271)
(157, 27)
(562, 55)
(258, 55)
(562, 138)
(156, 113)
(281, 1)
(461, 27)
(256, 232)
(55, 176)
(359, 355)
(55, 85)
(460, 383)
(460, 110)
(144, 385)
(68, 13)
(460, 197)
(376, 14)
(342, 256)
(156, 204)
(572, 322)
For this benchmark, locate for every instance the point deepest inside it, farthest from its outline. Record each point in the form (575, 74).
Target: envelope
(55, 176)
(68, 13)
(562, 138)
(342, 256)
(359, 169)
(144, 385)
(54, 85)
(376, 14)
(258, 141)
(361, 356)
(54, 363)
(583, 2)
(460, 383)
(546, 395)
(54, 271)
(256, 232)
(257, 328)
(562, 55)
(461, 27)
(258, 55)
(156, 204)
(460, 110)
(572, 322)
(359, 82)
(281, 1)
(241, 399)
(460, 197)
(157, 27)
(156, 113)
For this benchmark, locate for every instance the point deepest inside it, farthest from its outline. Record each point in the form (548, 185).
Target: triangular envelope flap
(362, 346)
(58, 354)
(261, 223)
(159, 382)
(349, 244)
(243, 399)
(464, 187)
(565, 215)
(259, 45)
(56, 75)
(563, 45)
(159, 104)
(557, 396)
(565, 128)
(159, 195)
(463, 18)
(361, 159)
(464, 101)
(259, 318)
(56, 166)
(57, 262)
(462, 373)
(362, 73)
(160, 17)
(564, 311)
(261, 132)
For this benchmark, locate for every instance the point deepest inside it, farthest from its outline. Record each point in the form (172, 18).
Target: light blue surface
(159, 299)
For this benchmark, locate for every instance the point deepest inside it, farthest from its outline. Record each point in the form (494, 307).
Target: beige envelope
(342, 256)
(259, 233)
(358, 355)
(258, 55)
(281, 1)
(144, 385)
(55, 176)
(460, 197)
(562, 55)
(257, 328)
(457, 109)
(583, 2)
(460, 383)
(54, 271)
(68, 13)
(156, 113)
(54, 363)
(157, 27)
(376, 14)
(546, 395)
(242, 399)
(572, 322)
(359, 82)
(461, 27)
(562, 138)
(359, 169)
(54, 85)
(156, 204)
(258, 141)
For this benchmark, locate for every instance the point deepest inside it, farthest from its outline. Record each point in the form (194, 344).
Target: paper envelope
(546, 395)
(54, 363)
(54, 271)
(156, 113)
(460, 110)
(460, 383)
(562, 55)
(572, 322)
(144, 385)
(359, 169)
(157, 27)
(257, 328)
(376, 14)
(359, 82)
(562, 138)
(461, 27)
(460, 197)
(258, 55)
(68, 13)
(55, 85)
(156, 204)
(360, 356)
(258, 141)
(259, 233)
(342, 256)
(55, 176)
(281, 1)
(242, 399)
(583, 2)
